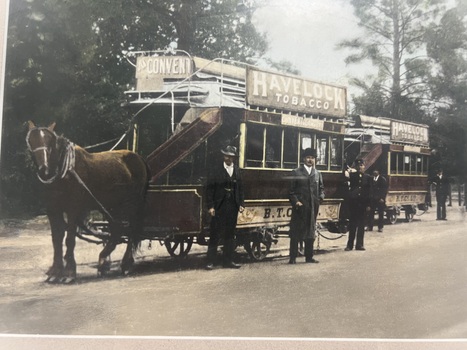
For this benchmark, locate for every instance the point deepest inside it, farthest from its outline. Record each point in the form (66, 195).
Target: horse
(76, 182)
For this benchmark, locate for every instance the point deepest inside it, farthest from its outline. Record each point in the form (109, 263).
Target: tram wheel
(409, 216)
(179, 247)
(392, 216)
(257, 250)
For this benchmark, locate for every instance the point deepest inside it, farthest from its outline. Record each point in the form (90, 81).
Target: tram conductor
(225, 199)
(359, 204)
(441, 183)
(378, 192)
(306, 194)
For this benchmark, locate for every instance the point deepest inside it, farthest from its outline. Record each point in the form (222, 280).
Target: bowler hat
(230, 151)
(309, 152)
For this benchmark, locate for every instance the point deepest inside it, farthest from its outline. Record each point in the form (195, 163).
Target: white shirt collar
(308, 168)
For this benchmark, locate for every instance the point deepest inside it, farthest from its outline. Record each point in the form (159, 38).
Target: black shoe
(311, 261)
(209, 266)
(348, 249)
(380, 230)
(292, 261)
(232, 265)
(369, 229)
(360, 248)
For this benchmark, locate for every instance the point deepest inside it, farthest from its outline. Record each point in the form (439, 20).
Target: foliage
(66, 63)
(447, 47)
(393, 42)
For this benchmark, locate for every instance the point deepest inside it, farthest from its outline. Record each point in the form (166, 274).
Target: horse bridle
(68, 160)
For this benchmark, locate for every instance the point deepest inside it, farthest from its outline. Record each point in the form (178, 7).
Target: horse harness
(67, 165)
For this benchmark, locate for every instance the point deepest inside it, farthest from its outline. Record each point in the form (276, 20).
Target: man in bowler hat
(359, 203)
(224, 199)
(306, 194)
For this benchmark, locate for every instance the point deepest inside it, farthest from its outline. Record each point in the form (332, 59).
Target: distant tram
(187, 108)
(400, 151)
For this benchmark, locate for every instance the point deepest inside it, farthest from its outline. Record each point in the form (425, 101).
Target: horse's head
(42, 142)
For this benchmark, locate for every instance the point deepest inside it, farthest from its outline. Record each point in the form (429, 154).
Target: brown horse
(114, 182)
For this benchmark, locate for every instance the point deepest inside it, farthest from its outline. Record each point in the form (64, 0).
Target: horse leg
(128, 260)
(57, 226)
(136, 227)
(104, 261)
(69, 274)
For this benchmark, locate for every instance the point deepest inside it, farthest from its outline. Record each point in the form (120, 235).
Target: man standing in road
(378, 191)
(224, 193)
(306, 194)
(441, 183)
(359, 183)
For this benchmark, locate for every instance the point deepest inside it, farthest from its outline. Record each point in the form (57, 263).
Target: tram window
(306, 141)
(413, 164)
(254, 145)
(336, 152)
(418, 165)
(425, 165)
(322, 151)
(406, 164)
(273, 147)
(400, 163)
(290, 149)
(393, 163)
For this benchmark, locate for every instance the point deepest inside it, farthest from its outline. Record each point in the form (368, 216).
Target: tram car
(400, 151)
(187, 108)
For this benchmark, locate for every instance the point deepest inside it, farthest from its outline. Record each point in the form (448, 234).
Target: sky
(306, 32)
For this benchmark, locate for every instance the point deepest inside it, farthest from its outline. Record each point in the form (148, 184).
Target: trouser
(441, 207)
(376, 205)
(294, 248)
(356, 224)
(223, 226)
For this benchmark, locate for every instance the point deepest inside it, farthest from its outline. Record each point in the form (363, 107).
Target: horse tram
(185, 109)
(400, 151)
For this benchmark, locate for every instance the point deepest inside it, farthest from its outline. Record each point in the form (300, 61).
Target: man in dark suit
(378, 191)
(359, 203)
(224, 199)
(306, 194)
(441, 183)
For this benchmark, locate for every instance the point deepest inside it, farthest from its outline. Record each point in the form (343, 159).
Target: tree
(75, 72)
(393, 42)
(447, 47)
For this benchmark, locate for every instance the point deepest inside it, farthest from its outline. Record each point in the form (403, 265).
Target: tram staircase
(171, 152)
(370, 153)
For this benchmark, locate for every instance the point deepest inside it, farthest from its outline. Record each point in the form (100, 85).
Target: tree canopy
(66, 63)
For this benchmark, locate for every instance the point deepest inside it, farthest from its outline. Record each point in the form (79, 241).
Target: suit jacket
(441, 186)
(378, 188)
(360, 187)
(220, 185)
(309, 190)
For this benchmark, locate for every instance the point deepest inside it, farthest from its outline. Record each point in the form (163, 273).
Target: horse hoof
(67, 280)
(52, 279)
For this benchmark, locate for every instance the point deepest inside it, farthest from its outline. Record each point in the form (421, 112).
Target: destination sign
(273, 90)
(172, 66)
(150, 71)
(407, 132)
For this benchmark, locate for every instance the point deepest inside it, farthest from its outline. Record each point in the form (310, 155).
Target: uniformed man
(378, 192)
(359, 184)
(441, 183)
